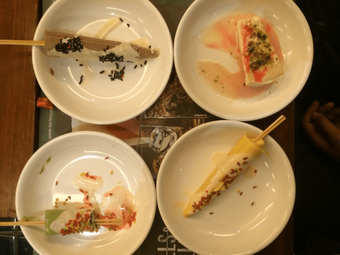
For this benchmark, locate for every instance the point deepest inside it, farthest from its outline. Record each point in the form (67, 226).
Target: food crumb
(252, 203)
(211, 213)
(106, 158)
(51, 71)
(56, 183)
(42, 169)
(255, 171)
(69, 197)
(81, 79)
(28, 218)
(111, 172)
(241, 193)
(238, 191)
(254, 187)
(64, 203)
(44, 102)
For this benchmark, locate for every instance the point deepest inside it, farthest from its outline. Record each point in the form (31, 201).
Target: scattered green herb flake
(42, 169)
(28, 218)
(48, 160)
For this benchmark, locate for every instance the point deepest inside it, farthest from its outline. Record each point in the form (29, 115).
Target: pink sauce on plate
(222, 36)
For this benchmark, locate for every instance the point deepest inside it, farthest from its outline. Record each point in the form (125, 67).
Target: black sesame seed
(111, 57)
(72, 44)
(81, 79)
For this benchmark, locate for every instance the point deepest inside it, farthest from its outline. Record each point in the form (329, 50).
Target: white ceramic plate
(297, 47)
(71, 155)
(97, 99)
(236, 226)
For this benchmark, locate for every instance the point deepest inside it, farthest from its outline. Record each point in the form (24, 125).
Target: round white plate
(297, 47)
(97, 99)
(68, 156)
(231, 224)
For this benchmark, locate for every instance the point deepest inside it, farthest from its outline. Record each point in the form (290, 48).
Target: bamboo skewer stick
(22, 223)
(52, 38)
(270, 128)
(22, 42)
(39, 223)
(108, 221)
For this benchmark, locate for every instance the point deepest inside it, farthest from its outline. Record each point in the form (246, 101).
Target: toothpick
(270, 128)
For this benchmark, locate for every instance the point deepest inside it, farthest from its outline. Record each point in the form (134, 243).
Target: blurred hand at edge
(322, 125)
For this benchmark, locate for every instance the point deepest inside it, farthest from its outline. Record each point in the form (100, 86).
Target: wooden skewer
(22, 223)
(108, 221)
(270, 128)
(39, 223)
(22, 42)
(97, 44)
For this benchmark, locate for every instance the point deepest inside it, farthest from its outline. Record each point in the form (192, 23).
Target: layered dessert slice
(70, 221)
(66, 45)
(229, 168)
(260, 61)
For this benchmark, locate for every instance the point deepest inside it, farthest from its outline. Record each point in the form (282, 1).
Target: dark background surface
(316, 214)
(317, 207)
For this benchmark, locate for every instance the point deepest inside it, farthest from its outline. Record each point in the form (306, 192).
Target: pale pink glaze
(222, 36)
(119, 203)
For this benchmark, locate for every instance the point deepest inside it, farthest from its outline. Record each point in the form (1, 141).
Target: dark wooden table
(18, 112)
(18, 20)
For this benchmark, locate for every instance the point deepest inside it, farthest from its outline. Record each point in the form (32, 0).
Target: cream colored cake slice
(261, 63)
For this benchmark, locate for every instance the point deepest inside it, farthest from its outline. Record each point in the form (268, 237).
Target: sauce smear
(221, 36)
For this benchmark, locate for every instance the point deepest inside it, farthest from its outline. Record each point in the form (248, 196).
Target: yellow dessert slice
(230, 167)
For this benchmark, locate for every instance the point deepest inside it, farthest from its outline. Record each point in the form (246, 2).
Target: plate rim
(220, 114)
(138, 110)
(225, 123)
(93, 134)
